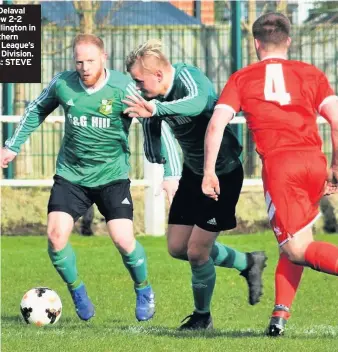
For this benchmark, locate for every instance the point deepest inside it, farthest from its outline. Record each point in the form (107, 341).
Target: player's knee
(57, 238)
(296, 255)
(197, 255)
(124, 244)
(177, 251)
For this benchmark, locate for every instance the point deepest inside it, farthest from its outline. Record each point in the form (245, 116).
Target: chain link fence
(198, 33)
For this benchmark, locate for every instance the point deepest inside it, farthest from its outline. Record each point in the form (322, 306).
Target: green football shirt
(187, 108)
(95, 149)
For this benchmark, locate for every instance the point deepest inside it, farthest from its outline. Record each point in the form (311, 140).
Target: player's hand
(6, 157)
(170, 187)
(332, 181)
(210, 186)
(138, 106)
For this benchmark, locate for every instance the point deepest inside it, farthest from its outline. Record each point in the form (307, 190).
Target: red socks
(287, 278)
(322, 256)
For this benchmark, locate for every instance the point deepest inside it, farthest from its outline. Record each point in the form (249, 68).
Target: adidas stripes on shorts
(113, 199)
(191, 207)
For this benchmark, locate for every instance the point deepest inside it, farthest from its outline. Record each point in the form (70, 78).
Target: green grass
(238, 326)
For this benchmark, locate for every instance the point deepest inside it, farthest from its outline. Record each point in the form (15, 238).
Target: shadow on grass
(231, 333)
(12, 319)
(115, 326)
(172, 332)
(64, 322)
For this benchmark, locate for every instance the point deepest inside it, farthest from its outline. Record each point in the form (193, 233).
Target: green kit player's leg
(64, 261)
(136, 263)
(250, 265)
(203, 284)
(227, 257)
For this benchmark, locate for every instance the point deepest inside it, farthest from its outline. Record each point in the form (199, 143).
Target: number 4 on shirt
(274, 88)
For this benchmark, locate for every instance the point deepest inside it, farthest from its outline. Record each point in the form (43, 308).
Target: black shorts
(113, 199)
(191, 207)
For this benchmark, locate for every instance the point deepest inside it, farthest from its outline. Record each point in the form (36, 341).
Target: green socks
(227, 257)
(136, 263)
(64, 261)
(203, 283)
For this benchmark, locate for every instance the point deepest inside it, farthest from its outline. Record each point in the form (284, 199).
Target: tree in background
(323, 12)
(86, 11)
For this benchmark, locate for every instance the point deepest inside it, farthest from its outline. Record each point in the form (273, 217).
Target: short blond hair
(150, 49)
(86, 38)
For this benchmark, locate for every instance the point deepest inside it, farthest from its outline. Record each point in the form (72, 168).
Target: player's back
(280, 99)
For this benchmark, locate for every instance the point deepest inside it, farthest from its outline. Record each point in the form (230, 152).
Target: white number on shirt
(274, 88)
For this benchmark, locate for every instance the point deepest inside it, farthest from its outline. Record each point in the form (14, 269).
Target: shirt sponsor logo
(83, 121)
(173, 121)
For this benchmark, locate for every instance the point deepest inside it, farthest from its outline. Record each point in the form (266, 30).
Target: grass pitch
(238, 326)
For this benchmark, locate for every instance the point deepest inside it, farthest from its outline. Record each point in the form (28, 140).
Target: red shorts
(293, 186)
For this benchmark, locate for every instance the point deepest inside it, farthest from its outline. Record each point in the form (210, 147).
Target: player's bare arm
(330, 112)
(212, 143)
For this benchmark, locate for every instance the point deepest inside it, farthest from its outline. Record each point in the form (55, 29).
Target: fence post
(8, 129)
(236, 54)
(154, 207)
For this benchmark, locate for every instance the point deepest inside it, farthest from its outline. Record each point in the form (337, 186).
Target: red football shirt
(280, 99)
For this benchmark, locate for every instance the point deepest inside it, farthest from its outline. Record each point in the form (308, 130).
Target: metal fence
(188, 34)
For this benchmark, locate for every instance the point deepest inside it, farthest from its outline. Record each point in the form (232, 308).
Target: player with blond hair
(184, 97)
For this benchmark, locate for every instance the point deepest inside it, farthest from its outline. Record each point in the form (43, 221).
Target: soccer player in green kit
(93, 166)
(184, 97)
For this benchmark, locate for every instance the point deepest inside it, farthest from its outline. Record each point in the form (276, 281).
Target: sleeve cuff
(225, 107)
(166, 178)
(152, 102)
(15, 153)
(327, 100)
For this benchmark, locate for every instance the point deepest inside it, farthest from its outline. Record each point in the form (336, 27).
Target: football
(41, 306)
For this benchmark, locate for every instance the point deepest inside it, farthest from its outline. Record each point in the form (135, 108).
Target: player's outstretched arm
(34, 115)
(195, 89)
(195, 97)
(330, 112)
(138, 106)
(213, 138)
